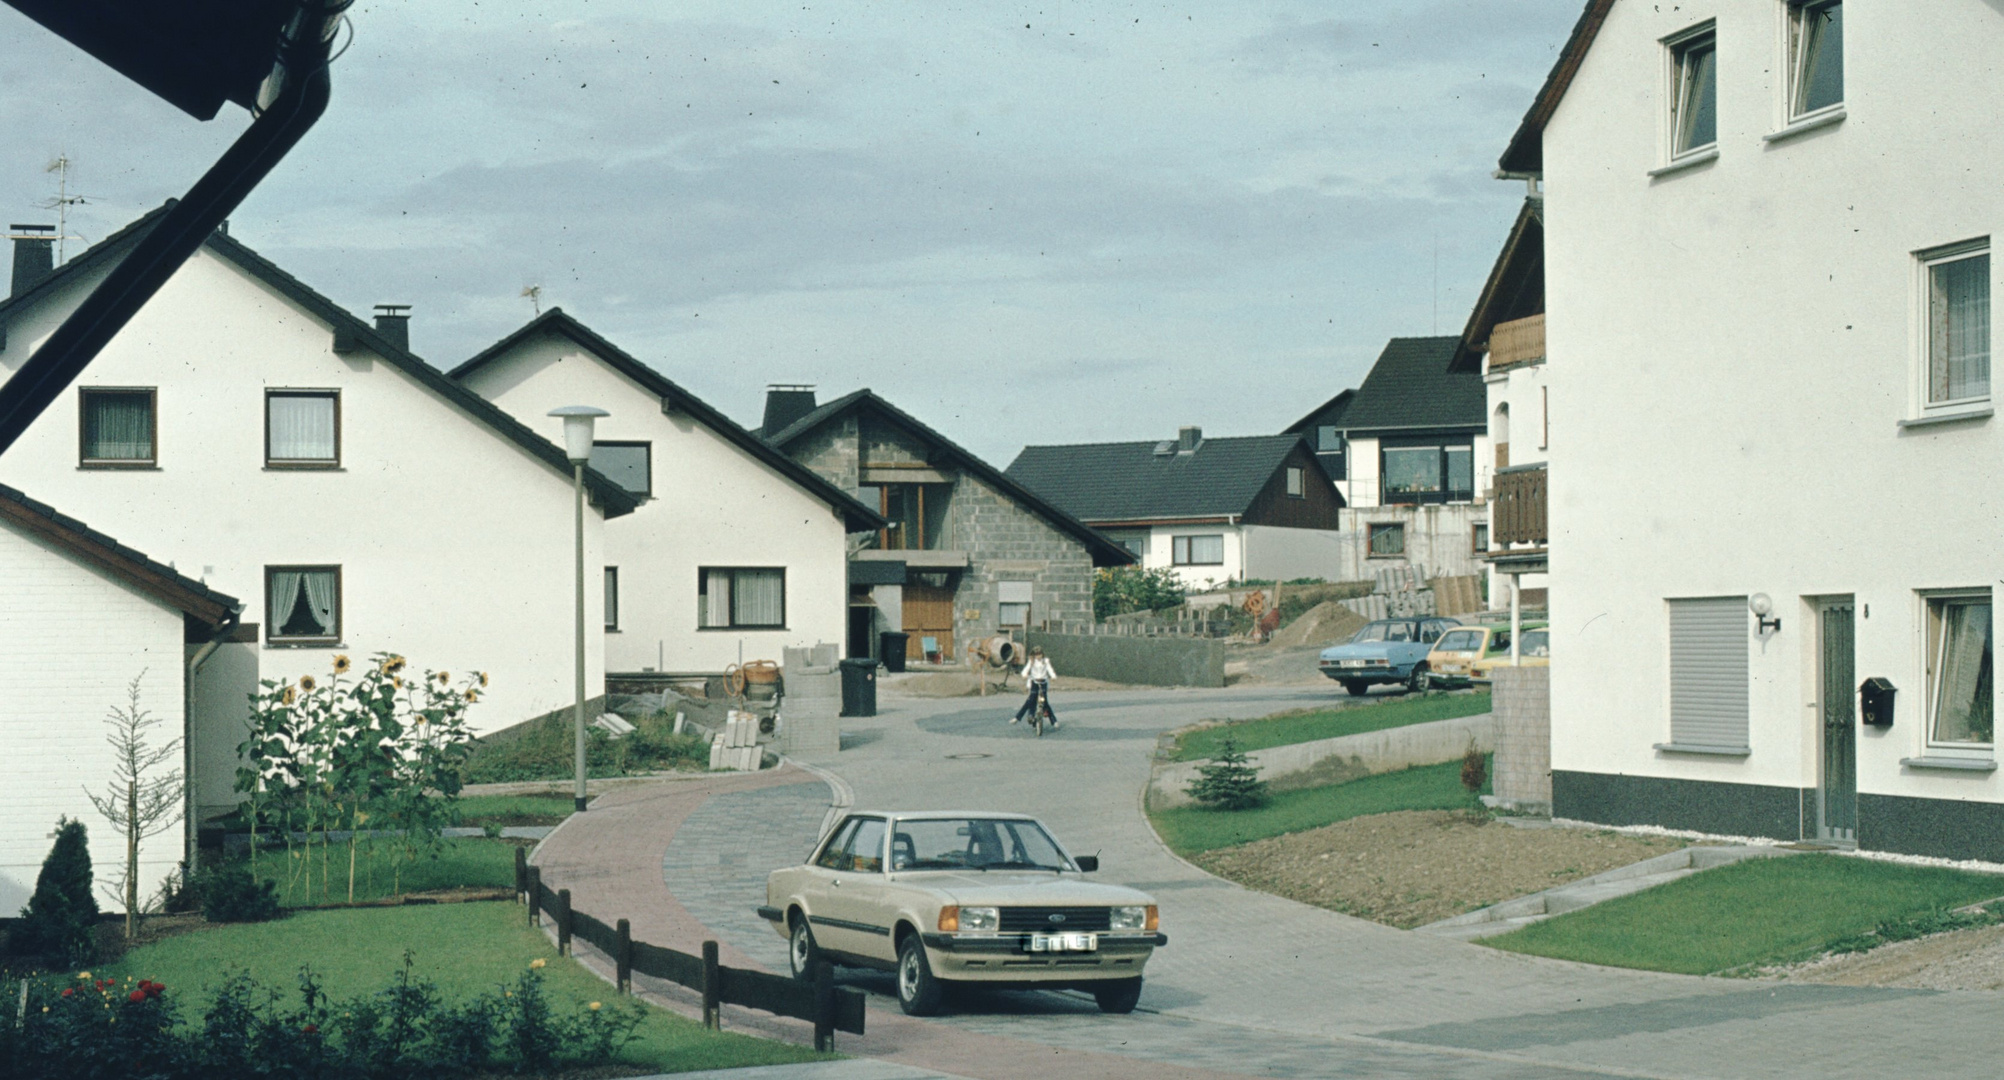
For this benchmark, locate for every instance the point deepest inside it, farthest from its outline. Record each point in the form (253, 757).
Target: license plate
(1064, 943)
(1359, 663)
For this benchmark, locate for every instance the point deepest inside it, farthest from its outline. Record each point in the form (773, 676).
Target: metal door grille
(1838, 798)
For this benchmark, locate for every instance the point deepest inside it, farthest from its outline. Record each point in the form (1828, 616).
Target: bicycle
(1040, 714)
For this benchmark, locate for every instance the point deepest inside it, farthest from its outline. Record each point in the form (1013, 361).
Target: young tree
(138, 803)
(58, 923)
(1230, 781)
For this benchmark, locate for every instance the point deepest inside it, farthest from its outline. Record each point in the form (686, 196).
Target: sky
(1041, 223)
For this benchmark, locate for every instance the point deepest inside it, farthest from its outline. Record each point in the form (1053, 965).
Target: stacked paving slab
(811, 709)
(736, 747)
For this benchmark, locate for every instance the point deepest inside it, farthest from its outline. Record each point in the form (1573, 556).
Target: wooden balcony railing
(1517, 512)
(1518, 341)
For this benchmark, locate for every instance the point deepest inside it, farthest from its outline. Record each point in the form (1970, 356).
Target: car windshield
(1460, 641)
(1384, 631)
(1537, 643)
(974, 844)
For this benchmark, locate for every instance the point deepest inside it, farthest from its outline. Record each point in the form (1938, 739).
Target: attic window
(1165, 448)
(1297, 485)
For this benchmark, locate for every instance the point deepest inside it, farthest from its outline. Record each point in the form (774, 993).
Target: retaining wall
(1148, 661)
(1346, 757)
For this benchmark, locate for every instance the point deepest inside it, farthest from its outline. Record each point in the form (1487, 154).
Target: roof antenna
(61, 204)
(535, 295)
(1436, 281)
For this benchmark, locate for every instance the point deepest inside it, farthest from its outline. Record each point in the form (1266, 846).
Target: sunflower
(393, 665)
(472, 696)
(340, 665)
(483, 679)
(289, 696)
(306, 683)
(397, 682)
(443, 677)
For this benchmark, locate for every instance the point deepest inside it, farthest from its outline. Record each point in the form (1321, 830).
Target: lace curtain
(302, 427)
(119, 427)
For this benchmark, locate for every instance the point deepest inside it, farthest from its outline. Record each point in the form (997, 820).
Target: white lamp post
(578, 422)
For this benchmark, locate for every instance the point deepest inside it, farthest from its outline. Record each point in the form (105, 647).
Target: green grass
(466, 949)
(1757, 912)
(1191, 830)
(514, 809)
(476, 864)
(1289, 728)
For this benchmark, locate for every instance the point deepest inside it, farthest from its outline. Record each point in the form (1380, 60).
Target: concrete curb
(1586, 892)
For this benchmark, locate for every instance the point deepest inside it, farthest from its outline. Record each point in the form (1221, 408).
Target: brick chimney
(34, 255)
(393, 321)
(1189, 439)
(784, 404)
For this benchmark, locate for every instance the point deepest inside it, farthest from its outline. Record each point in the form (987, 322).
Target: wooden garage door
(928, 614)
(1708, 672)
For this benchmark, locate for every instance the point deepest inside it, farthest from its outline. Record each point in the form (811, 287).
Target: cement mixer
(999, 652)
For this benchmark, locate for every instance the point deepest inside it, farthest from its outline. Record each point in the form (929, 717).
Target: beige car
(959, 897)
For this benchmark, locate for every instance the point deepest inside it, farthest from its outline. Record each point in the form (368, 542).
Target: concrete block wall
(833, 452)
(1156, 661)
(1522, 703)
(1008, 542)
(810, 713)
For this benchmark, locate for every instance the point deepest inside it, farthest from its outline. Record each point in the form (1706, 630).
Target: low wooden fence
(820, 1003)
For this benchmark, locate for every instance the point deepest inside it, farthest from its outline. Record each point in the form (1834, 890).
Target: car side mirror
(1087, 863)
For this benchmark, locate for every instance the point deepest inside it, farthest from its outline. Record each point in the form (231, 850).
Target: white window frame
(1182, 551)
(1675, 48)
(1933, 638)
(612, 599)
(1923, 321)
(1793, 60)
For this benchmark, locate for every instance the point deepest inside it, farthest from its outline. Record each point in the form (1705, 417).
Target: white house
(736, 553)
(248, 431)
(1210, 511)
(85, 616)
(1768, 284)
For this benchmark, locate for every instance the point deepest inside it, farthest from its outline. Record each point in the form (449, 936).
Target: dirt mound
(1326, 622)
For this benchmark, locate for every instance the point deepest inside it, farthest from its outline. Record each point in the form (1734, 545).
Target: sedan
(1386, 651)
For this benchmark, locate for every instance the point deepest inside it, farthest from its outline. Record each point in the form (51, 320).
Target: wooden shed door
(928, 614)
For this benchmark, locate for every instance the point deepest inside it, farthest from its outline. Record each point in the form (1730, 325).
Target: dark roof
(1129, 481)
(1411, 387)
(1104, 552)
(859, 518)
(217, 610)
(349, 331)
(1516, 285)
(1525, 156)
(194, 53)
(1329, 412)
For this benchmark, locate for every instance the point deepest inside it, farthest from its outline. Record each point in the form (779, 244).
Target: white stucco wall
(71, 640)
(455, 544)
(1740, 342)
(1161, 550)
(714, 504)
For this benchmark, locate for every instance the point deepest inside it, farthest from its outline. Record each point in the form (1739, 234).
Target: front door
(928, 615)
(1837, 798)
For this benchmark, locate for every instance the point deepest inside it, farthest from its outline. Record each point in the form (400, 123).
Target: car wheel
(1118, 997)
(919, 994)
(1357, 687)
(801, 952)
(1420, 679)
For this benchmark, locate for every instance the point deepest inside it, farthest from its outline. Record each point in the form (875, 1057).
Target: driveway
(1250, 984)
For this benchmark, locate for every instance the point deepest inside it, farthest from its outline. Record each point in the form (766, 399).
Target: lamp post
(578, 421)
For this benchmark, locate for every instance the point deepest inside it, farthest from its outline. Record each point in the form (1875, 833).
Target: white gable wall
(71, 640)
(714, 505)
(455, 544)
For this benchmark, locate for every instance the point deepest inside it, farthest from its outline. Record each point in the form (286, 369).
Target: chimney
(784, 404)
(34, 255)
(1189, 439)
(393, 321)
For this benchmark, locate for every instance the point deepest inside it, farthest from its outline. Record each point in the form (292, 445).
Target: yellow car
(1535, 650)
(1464, 655)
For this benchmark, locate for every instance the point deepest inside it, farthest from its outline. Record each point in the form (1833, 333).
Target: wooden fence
(818, 1002)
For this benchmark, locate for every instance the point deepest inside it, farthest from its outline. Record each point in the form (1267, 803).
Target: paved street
(1250, 984)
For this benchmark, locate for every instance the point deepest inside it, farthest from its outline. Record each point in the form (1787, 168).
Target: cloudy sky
(1065, 222)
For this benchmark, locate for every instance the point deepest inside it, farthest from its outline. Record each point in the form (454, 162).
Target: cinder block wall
(1161, 661)
(1522, 703)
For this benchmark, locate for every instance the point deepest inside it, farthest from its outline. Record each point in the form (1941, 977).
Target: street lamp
(578, 421)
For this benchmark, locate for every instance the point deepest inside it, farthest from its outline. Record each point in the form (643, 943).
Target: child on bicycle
(1037, 676)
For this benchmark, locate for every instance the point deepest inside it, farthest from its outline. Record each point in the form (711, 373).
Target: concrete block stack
(810, 712)
(736, 747)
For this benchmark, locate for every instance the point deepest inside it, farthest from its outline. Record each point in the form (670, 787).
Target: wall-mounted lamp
(1762, 607)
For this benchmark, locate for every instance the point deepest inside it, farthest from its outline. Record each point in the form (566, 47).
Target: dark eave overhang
(1524, 158)
(213, 610)
(1522, 254)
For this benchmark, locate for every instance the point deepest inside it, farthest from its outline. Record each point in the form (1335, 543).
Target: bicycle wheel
(1037, 718)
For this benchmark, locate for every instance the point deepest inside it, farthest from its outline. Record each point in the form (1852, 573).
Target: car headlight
(980, 920)
(1132, 918)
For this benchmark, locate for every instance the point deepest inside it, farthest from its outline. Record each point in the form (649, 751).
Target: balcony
(1517, 342)
(1517, 510)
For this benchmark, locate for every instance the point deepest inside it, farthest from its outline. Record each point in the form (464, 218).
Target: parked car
(1386, 651)
(957, 897)
(1460, 652)
(1534, 651)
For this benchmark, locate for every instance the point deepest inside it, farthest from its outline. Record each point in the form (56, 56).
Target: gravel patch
(1419, 866)
(1958, 960)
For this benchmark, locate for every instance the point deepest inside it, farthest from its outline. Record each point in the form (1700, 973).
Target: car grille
(1022, 920)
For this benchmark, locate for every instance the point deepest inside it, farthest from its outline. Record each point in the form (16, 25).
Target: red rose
(136, 996)
(67, 993)
(311, 1029)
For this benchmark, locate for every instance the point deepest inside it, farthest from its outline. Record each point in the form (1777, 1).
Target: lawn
(1189, 830)
(466, 949)
(1752, 913)
(1299, 727)
(319, 875)
(546, 809)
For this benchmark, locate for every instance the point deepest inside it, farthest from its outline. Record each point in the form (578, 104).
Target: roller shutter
(1708, 672)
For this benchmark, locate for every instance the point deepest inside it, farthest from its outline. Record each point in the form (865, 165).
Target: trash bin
(859, 687)
(891, 646)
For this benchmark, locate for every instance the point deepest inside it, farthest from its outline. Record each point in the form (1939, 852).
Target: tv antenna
(61, 166)
(535, 295)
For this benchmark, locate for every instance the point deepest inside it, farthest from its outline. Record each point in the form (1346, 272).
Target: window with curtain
(741, 598)
(1197, 550)
(1816, 56)
(1388, 540)
(118, 427)
(302, 428)
(628, 464)
(1958, 325)
(1694, 118)
(612, 598)
(1960, 690)
(302, 604)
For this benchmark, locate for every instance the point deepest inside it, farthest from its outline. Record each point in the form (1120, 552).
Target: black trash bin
(859, 687)
(891, 646)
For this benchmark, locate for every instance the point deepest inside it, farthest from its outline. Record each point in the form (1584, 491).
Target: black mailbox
(1875, 702)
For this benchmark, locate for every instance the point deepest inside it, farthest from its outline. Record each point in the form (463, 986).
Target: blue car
(1386, 651)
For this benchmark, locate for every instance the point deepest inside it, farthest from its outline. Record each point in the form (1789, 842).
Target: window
(302, 429)
(612, 598)
(1708, 675)
(1429, 474)
(302, 605)
(866, 847)
(1328, 440)
(734, 598)
(1694, 121)
(1297, 483)
(835, 856)
(1015, 602)
(1479, 537)
(1388, 539)
(1960, 695)
(1958, 323)
(117, 428)
(1815, 56)
(917, 513)
(628, 464)
(1197, 550)
(1460, 473)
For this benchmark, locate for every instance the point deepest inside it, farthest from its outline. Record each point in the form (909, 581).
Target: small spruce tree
(60, 922)
(1230, 781)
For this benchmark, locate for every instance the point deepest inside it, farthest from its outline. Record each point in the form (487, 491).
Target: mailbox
(1875, 702)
